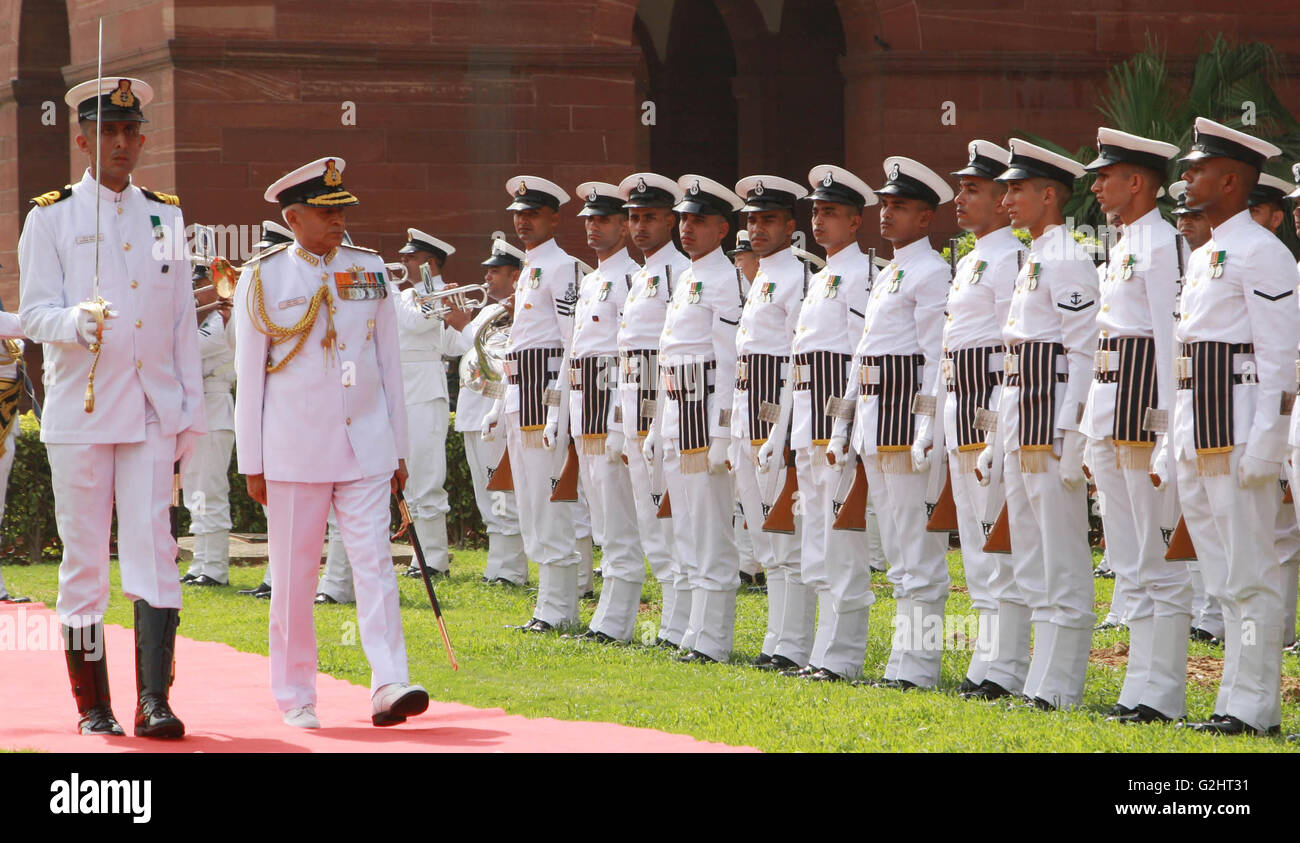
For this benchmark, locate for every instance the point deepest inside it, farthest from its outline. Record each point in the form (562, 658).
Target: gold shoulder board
(53, 196)
(164, 198)
(358, 248)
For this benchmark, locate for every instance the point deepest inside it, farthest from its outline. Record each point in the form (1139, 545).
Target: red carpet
(224, 697)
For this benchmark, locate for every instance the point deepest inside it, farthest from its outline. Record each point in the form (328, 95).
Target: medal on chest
(978, 272)
(356, 284)
(535, 277)
(158, 230)
(832, 288)
(895, 281)
(765, 291)
(693, 292)
(1126, 267)
(652, 286)
(604, 291)
(1031, 279)
(1217, 260)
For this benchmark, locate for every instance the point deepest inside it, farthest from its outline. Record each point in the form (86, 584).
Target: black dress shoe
(537, 625)
(189, 578)
(155, 664)
(322, 599)
(896, 684)
(1145, 714)
(805, 672)
(763, 662)
(696, 657)
(99, 720)
(89, 678)
(666, 644)
(781, 663)
(987, 690)
(1103, 574)
(1294, 649)
(1118, 712)
(1199, 634)
(1042, 704)
(205, 580)
(1105, 625)
(588, 595)
(759, 579)
(262, 590)
(821, 674)
(592, 635)
(413, 572)
(966, 685)
(1228, 725)
(6, 597)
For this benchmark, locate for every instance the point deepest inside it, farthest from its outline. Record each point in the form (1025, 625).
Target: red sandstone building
(451, 97)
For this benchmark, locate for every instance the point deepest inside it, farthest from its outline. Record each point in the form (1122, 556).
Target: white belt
(949, 373)
(1105, 360)
(868, 375)
(742, 370)
(802, 372)
(1011, 363)
(511, 367)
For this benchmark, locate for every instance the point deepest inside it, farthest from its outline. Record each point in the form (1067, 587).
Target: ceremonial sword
(408, 527)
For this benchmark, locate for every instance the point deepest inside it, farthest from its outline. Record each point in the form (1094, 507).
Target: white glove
(87, 325)
(1072, 460)
(614, 445)
(718, 462)
(837, 452)
(650, 445)
(487, 431)
(765, 452)
(1252, 471)
(550, 433)
(1159, 468)
(984, 466)
(921, 455)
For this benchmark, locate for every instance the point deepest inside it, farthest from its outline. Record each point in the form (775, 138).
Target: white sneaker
(304, 717)
(395, 702)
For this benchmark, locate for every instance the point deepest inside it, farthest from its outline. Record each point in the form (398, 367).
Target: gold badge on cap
(122, 95)
(333, 178)
(893, 172)
(828, 179)
(523, 188)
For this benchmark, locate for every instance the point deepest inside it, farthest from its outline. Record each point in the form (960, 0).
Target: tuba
(482, 368)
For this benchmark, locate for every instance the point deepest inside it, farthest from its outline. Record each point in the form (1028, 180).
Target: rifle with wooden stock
(566, 486)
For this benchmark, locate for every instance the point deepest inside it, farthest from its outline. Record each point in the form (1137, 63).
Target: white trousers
(1241, 569)
(971, 501)
(614, 517)
(655, 533)
(706, 553)
(6, 465)
(425, 494)
(296, 521)
(336, 576)
(206, 494)
(1053, 570)
(87, 480)
(918, 571)
(547, 528)
(1146, 586)
(506, 557)
(834, 564)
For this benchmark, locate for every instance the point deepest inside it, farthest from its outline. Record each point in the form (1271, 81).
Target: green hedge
(28, 531)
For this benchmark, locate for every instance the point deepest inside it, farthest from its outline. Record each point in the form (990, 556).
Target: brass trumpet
(224, 281)
(440, 303)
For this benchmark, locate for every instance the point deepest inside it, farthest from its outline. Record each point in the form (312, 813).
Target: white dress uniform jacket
(308, 422)
(150, 356)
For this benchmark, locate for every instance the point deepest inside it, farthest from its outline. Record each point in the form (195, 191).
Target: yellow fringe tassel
(1134, 456)
(593, 444)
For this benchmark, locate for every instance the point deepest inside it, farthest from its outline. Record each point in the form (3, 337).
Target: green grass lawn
(543, 675)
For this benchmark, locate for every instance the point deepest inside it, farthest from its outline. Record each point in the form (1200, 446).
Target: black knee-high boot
(155, 649)
(88, 672)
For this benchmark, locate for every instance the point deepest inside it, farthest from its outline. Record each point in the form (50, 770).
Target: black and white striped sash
(760, 374)
(596, 378)
(968, 378)
(1136, 389)
(639, 366)
(825, 375)
(1037, 378)
(531, 369)
(690, 385)
(898, 381)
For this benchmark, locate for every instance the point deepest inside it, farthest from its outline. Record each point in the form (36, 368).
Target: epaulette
(46, 199)
(358, 248)
(265, 253)
(164, 198)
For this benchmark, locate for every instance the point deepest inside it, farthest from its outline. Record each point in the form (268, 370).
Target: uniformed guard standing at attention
(761, 413)
(832, 562)
(1050, 335)
(897, 358)
(547, 292)
(1293, 438)
(1133, 377)
(105, 287)
(592, 368)
(506, 562)
(1268, 202)
(206, 481)
(697, 366)
(971, 376)
(1239, 333)
(320, 421)
(649, 200)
